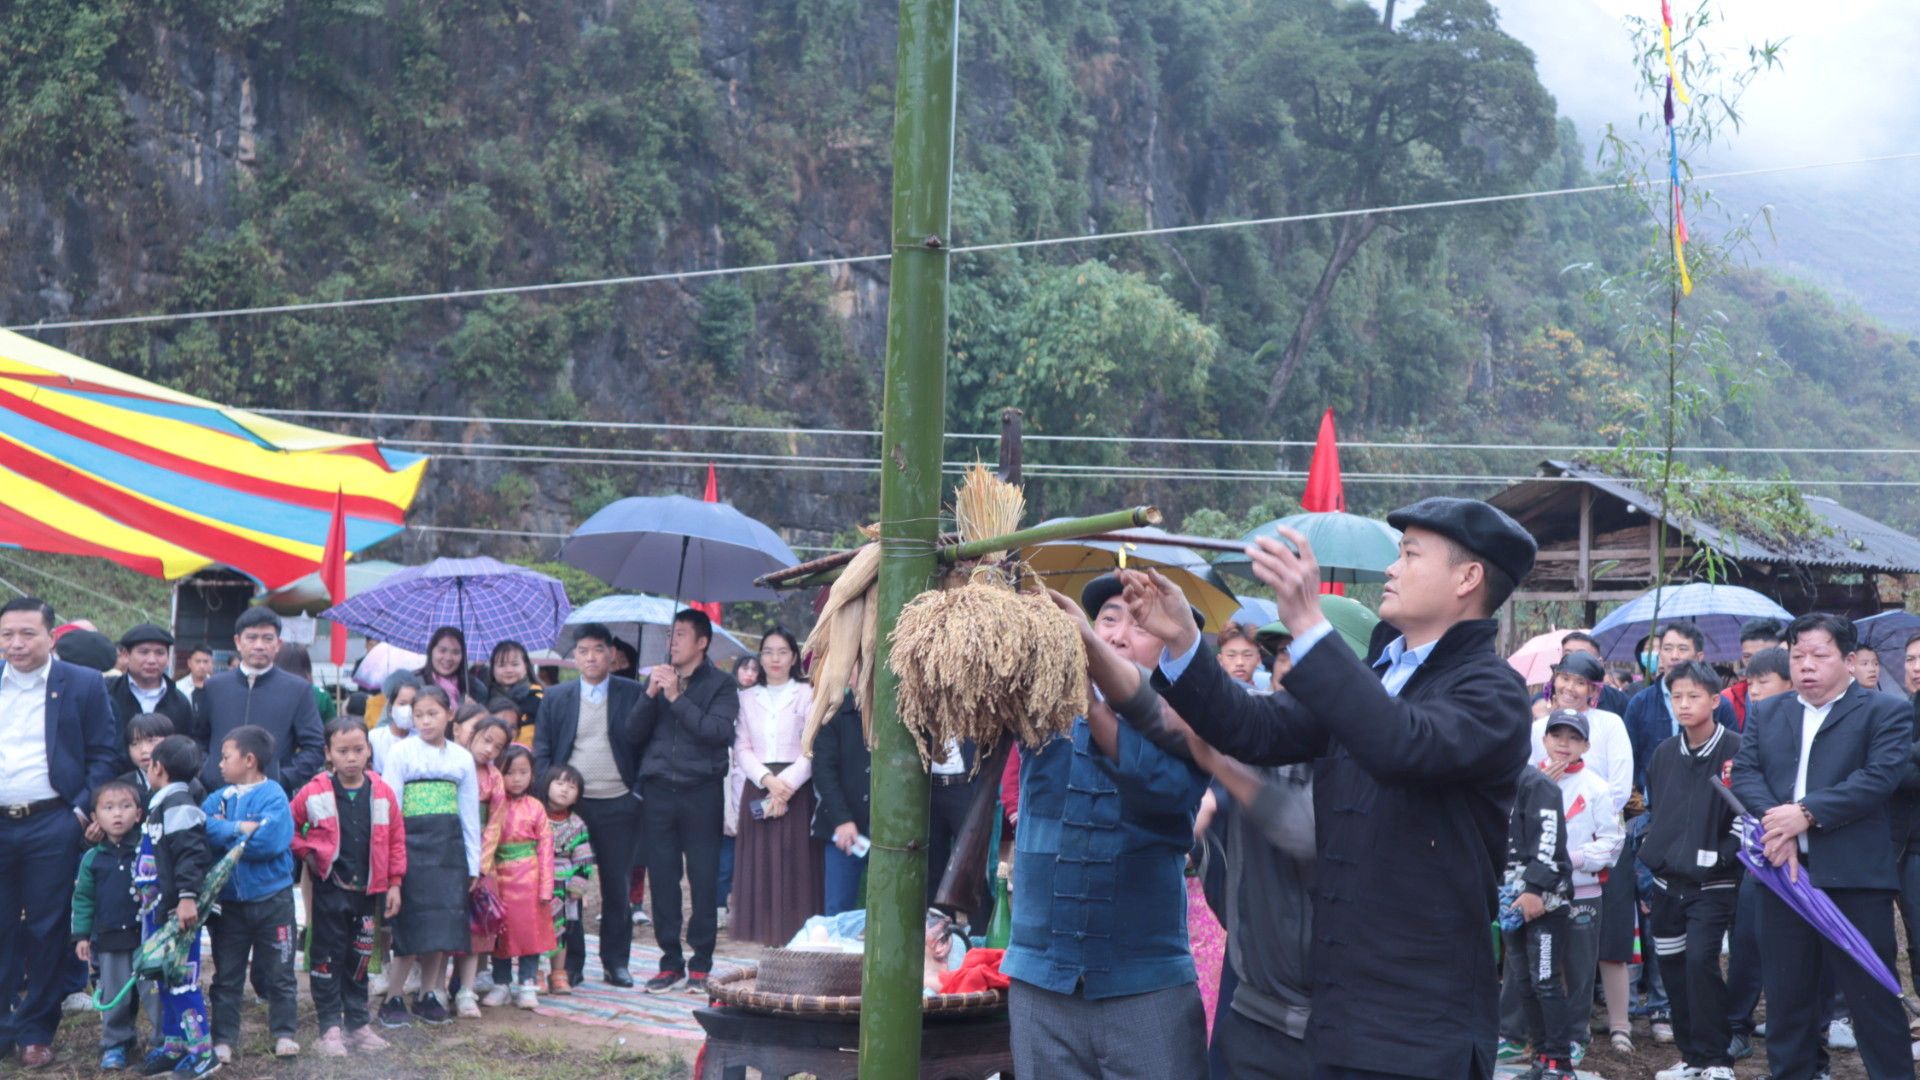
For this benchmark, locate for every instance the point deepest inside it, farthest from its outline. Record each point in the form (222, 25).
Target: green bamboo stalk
(913, 426)
(1064, 529)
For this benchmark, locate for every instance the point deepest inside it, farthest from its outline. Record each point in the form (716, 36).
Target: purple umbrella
(1806, 899)
(487, 599)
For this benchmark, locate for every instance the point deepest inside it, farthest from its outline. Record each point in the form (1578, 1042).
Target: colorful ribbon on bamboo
(1675, 87)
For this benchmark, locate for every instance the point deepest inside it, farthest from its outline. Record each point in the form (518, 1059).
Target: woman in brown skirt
(777, 862)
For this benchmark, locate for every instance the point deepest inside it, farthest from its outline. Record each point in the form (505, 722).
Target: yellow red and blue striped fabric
(96, 462)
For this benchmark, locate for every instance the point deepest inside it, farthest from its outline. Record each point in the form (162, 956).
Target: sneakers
(641, 918)
(223, 1053)
(332, 1044)
(665, 981)
(721, 918)
(1550, 1069)
(1717, 1072)
(1740, 1048)
(525, 997)
(114, 1060)
(1511, 1050)
(466, 1006)
(1578, 1055)
(78, 1001)
(1679, 1071)
(366, 1040)
(284, 1047)
(1662, 1029)
(1840, 1036)
(558, 983)
(205, 1065)
(429, 1009)
(697, 982)
(495, 998)
(158, 1062)
(483, 979)
(394, 1014)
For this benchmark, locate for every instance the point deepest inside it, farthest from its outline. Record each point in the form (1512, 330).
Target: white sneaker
(466, 1006)
(496, 997)
(525, 997)
(1916, 1051)
(641, 918)
(222, 1053)
(1680, 1071)
(721, 919)
(78, 1001)
(483, 980)
(1717, 1072)
(1840, 1036)
(377, 986)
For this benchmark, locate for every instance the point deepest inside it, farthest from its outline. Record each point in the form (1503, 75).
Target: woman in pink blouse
(776, 876)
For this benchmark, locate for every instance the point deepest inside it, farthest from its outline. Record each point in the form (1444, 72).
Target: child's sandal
(1621, 1040)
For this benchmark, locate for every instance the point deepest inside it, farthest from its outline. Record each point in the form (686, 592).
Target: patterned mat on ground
(665, 1015)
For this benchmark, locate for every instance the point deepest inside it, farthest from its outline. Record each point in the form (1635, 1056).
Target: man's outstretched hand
(1161, 609)
(1294, 576)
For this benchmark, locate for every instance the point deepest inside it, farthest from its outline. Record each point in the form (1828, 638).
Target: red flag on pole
(333, 573)
(712, 495)
(1324, 490)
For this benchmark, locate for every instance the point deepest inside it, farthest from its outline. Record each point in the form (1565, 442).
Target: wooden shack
(1600, 536)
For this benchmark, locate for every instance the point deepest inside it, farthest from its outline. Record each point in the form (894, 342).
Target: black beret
(87, 648)
(146, 634)
(1583, 664)
(1482, 529)
(1570, 719)
(1097, 592)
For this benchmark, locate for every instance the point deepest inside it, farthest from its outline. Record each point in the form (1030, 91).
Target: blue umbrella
(1255, 611)
(1886, 634)
(1806, 899)
(1718, 610)
(678, 547)
(487, 599)
(644, 621)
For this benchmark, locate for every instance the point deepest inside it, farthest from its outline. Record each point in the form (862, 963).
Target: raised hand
(1160, 608)
(1294, 576)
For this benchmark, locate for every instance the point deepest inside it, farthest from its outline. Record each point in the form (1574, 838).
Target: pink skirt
(1209, 942)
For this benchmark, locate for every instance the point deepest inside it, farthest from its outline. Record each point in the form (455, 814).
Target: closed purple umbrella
(490, 601)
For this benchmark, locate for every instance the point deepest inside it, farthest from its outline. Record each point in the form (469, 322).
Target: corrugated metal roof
(1857, 543)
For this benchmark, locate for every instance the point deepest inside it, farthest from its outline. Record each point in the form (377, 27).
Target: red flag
(1324, 491)
(333, 573)
(712, 495)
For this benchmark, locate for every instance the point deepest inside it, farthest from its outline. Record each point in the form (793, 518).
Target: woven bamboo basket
(740, 990)
(810, 972)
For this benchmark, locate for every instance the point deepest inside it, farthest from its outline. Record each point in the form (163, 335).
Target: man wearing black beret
(1417, 750)
(146, 688)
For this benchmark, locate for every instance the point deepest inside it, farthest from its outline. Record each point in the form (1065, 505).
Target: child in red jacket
(347, 828)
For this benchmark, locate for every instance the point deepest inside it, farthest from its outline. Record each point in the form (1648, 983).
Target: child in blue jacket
(255, 920)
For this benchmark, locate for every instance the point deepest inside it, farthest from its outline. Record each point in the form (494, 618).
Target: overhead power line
(964, 249)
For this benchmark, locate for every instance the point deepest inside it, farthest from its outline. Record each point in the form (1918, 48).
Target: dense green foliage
(414, 146)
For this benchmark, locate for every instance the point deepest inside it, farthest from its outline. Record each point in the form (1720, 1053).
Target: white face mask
(402, 716)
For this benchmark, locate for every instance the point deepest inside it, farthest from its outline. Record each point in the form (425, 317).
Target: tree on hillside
(1443, 106)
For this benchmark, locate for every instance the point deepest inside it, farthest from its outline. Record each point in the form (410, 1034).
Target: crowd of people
(1350, 824)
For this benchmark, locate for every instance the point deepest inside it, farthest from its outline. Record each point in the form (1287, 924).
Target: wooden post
(1010, 448)
(1587, 605)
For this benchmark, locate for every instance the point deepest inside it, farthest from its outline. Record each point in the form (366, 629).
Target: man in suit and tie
(58, 735)
(583, 723)
(1817, 768)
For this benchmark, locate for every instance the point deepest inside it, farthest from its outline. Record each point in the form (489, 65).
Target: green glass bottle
(1000, 927)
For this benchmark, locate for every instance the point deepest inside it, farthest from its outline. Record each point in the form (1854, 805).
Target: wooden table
(969, 1047)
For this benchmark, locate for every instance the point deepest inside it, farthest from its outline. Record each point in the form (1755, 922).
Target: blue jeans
(726, 870)
(842, 880)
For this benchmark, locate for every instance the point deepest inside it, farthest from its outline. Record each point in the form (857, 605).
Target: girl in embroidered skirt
(516, 853)
(486, 737)
(559, 789)
(440, 800)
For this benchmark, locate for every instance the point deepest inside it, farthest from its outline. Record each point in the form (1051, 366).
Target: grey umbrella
(678, 547)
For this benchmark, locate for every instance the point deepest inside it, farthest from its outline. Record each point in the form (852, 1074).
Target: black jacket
(1859, 755)
(181, 853)
(276, 700)
(1689, 818)
(1270, 870)
(173, 705)
(1411, 797)
(106, 910)
(1537, 837)
(558, 723)
(685, 741)
(842, 773)
(1904, 810)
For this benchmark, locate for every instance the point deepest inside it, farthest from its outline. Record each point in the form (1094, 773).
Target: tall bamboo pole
(913, 428)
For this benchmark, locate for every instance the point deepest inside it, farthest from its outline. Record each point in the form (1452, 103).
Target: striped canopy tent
(96, 462)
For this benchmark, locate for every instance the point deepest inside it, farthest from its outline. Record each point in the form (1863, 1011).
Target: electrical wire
(965, 249)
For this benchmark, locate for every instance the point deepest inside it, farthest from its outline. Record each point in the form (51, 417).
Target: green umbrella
(164, 955)
(1350, 619)
(1350, 548)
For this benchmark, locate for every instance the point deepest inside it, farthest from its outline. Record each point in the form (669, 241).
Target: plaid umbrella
(488, 600)
(1806, 899)
(164, 955)
(1718, 610)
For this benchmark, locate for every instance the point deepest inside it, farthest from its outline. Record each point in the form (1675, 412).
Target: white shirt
(148, 699)
(771, 727)
(1609, 752)
(1811, 719)
(953, 763)
(185, 686)
(413, 759)
(23, 732)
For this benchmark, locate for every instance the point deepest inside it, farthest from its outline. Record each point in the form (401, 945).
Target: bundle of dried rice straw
(842, 645)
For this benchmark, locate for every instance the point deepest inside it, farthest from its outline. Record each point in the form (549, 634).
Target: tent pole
(913, 425)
